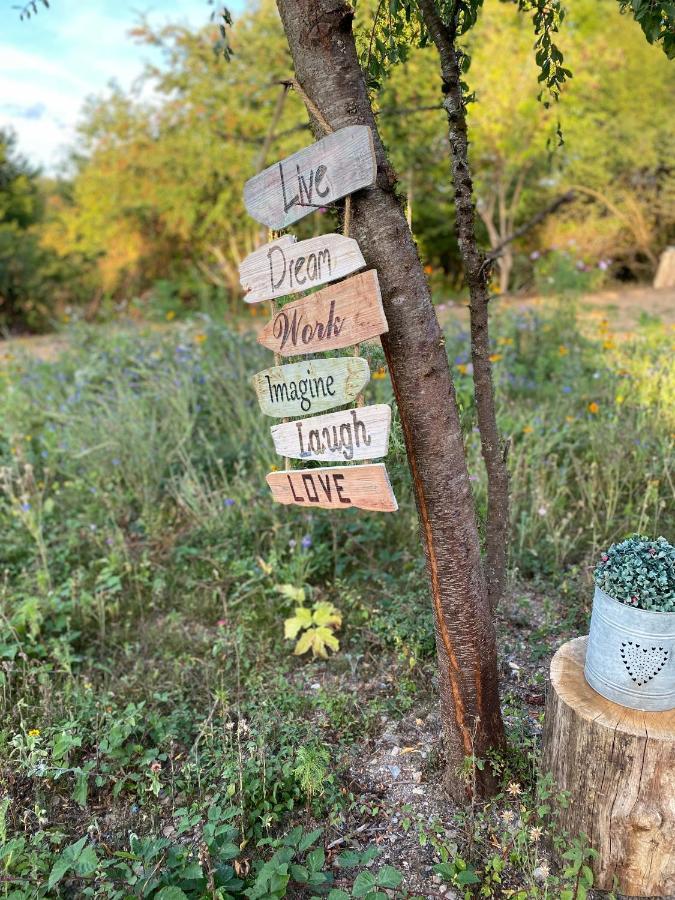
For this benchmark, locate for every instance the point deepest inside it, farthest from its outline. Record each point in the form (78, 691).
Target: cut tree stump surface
(619, 766)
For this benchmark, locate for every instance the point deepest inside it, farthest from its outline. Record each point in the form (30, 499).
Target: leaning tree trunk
(476, 271)
(320, 37)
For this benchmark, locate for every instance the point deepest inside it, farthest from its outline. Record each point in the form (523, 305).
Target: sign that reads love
(337, 316)
(337, 165)
(337, 437)
(286, 267)
(339, 487)
(310, 387)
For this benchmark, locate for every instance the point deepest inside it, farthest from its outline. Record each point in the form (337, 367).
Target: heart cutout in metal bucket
(642, 663)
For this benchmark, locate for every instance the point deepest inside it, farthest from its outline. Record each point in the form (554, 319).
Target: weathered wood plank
(337, 316)
(335, 487)
(337, 165)
(286, 267)
(346, 435)
(312, 386)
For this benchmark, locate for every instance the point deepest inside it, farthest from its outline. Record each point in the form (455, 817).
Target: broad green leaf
(364, 884)
(388, 877)
(301, 619)
(296, 594)
(326, 614)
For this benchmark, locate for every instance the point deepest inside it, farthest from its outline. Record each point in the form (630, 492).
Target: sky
(51, 63)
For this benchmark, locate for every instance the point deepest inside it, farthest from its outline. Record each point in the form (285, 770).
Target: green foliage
(639, 572)
(317, 625)
(657, 20)
(145, 579)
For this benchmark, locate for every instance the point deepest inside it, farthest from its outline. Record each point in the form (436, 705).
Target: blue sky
(51, 63)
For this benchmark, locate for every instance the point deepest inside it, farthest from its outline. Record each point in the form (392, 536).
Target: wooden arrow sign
(337, 165)
(286, 267)
(337, 316)
(310, 387)
(346, 435)
(339, 487)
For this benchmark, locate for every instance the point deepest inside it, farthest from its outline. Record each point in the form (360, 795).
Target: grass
(159, 738)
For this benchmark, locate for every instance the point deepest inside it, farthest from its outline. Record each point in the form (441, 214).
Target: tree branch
(535, 220)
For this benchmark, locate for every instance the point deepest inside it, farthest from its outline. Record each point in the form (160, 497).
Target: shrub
(639, 572)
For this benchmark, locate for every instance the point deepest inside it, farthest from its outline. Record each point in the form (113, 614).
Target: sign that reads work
(336, 437)
(337, 165)
(339, 487)
(310, 387)
(337, 316)
(287, 267)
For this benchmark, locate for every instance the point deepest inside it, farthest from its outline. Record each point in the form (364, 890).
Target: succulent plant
(639, 572)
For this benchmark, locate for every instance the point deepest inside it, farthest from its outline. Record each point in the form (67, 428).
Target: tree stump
(619, 766)
(665, 274)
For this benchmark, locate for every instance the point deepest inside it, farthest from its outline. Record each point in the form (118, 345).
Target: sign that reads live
(287, 267)
(310, 387)
(343, 436)
(337, 165)
(337, 316)
(339, 487)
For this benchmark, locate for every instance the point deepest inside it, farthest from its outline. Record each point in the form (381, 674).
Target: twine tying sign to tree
(313, 109)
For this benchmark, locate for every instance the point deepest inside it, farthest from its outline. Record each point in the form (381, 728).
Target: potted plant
(630, 657)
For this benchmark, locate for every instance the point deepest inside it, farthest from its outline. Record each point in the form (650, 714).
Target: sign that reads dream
(337, 316)
(336, 437)
(310, 387)
(337, 165)
(287, 267)
(339, 487)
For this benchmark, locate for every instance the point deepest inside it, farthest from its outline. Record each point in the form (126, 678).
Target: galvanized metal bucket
(630, 657)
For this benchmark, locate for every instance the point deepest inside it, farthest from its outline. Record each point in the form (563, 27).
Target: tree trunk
(619, 766)
(320, 37)
(476, 274)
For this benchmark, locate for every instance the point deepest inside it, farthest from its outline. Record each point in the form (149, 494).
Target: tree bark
(619, 766)
(322, 45)
(476, 273)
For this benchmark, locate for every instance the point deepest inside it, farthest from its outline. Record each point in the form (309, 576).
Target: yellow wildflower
(562, 350)
(275, 468)
(463, 368)
(200, 337)
(569, 418)
(593, 407)
(380, 373)
(608, 344)
(495, 357)
(34, 732)
(505, 342)
(619, 399)
(528, 429)
(170, 315)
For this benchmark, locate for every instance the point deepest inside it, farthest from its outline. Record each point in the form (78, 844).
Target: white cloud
(49, 65)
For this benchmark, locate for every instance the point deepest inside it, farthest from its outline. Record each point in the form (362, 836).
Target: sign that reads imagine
(339, 487)
(336, 437)
(337, 165)
(310, 387)
(337, 316)
(287, 267)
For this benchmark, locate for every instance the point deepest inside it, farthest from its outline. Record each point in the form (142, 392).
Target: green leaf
(301, 619)
(308, 839)
(296, 594)
(59, 869)
(388, 877)
(316, 860)
(364, 884)
(299, 873)
(326, 614)
(171, 893)
(335, 894)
